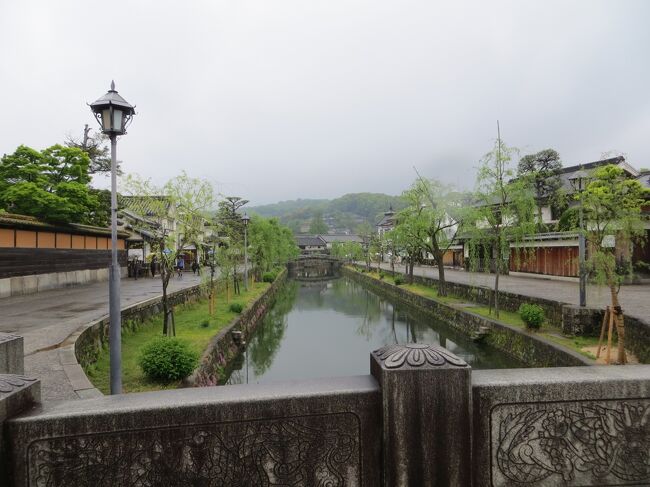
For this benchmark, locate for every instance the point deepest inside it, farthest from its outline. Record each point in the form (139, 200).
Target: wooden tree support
(610, 318)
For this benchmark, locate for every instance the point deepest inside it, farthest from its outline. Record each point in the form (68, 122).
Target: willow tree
(503, 212)
(433, 213)
(612, 205)
(173, 215)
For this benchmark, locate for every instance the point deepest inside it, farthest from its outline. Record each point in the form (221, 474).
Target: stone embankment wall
(523, 345)
(89, 340)
(573, 320)
(224, 347)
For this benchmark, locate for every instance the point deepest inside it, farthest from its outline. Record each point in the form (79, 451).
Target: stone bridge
(314, 266)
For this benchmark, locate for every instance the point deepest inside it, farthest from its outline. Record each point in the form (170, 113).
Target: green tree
(52, 185)
(231, 230)
(271, 244)
(433, 217)
(317, 225)
(173, 214)
(503, 212)
(350, 251)
(543, 171)
(612, 205)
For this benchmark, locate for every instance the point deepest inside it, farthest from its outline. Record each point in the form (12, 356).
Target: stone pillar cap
(417, 356)
(10, 383)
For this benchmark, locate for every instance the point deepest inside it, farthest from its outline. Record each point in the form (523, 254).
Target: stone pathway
(635, 299)
(46, 319)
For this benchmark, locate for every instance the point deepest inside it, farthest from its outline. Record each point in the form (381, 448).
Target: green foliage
(399, 280)
(52, 185)
(350, 251)
(236, 307)
(543, 172)
(269, 276)
(173, 215)
(532, 315)
(612, 205)
(167, 359)
(503, 213)
(317, 225)
(347, 210)
(381, 274)
(270, 243)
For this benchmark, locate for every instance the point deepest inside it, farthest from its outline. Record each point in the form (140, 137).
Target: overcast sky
(274, 100)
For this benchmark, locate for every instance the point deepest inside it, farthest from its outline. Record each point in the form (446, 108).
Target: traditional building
(36, 256)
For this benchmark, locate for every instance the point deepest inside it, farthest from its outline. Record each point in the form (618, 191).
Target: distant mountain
(341, 215)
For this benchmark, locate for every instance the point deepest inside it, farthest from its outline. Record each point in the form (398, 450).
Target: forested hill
(344, 214)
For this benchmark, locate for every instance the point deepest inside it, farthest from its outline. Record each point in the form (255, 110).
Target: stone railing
(422, 418)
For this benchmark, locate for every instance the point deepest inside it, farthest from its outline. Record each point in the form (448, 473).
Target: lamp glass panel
(106, 119)
(117, 120)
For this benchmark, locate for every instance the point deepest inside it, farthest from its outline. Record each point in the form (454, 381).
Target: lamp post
(579, 182)
(114, 114)
(246, 219)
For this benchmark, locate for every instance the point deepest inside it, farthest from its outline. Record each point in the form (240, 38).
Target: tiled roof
(12, 220)
(309, 240)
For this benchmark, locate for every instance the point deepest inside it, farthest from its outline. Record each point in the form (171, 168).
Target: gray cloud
(285, 99)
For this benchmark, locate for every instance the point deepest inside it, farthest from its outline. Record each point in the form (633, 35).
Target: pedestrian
(180, 266)
(154, 262)
(195, 267)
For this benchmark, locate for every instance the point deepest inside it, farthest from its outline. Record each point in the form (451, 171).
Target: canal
(328, 329)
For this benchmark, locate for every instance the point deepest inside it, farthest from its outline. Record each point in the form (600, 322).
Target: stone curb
(67, 356)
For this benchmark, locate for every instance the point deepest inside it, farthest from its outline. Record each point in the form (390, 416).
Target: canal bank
(523, 345)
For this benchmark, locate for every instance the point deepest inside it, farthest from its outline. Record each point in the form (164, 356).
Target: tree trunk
(497, 272)
(164, 274)
(442, 287)
(411, 264)
(620, 326)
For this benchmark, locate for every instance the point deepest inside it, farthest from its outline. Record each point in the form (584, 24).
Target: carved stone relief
(310, 451)
(584, 443)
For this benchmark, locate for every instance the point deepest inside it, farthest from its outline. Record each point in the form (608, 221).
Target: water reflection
(328, 328)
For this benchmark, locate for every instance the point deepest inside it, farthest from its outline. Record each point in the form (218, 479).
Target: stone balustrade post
(426, 410)
(17, 393)
(11, 354)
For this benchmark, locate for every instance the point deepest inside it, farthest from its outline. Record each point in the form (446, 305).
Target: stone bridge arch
(314, 266)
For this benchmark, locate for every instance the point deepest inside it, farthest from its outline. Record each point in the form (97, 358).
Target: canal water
(328, 329)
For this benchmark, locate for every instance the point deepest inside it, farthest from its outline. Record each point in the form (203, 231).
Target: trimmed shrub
(205, 324)
(381, 275)
(532, 315)
(236, 307)
(269, 276)
(167, 358)
(399, 280)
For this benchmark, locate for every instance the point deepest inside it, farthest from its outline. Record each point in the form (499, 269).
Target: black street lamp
(579, 183)
(114, 114)
(246, 219)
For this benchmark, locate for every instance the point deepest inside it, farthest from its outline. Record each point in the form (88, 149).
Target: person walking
(180, 266)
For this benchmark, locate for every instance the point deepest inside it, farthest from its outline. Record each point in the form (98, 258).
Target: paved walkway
(46, 319)
(635, 299)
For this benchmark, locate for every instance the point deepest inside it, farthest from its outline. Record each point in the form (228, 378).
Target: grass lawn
(548, 330)
(189, 319)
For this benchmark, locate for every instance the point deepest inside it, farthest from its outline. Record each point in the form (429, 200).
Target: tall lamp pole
(578, 182)
(246, 219)
(114, 114)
